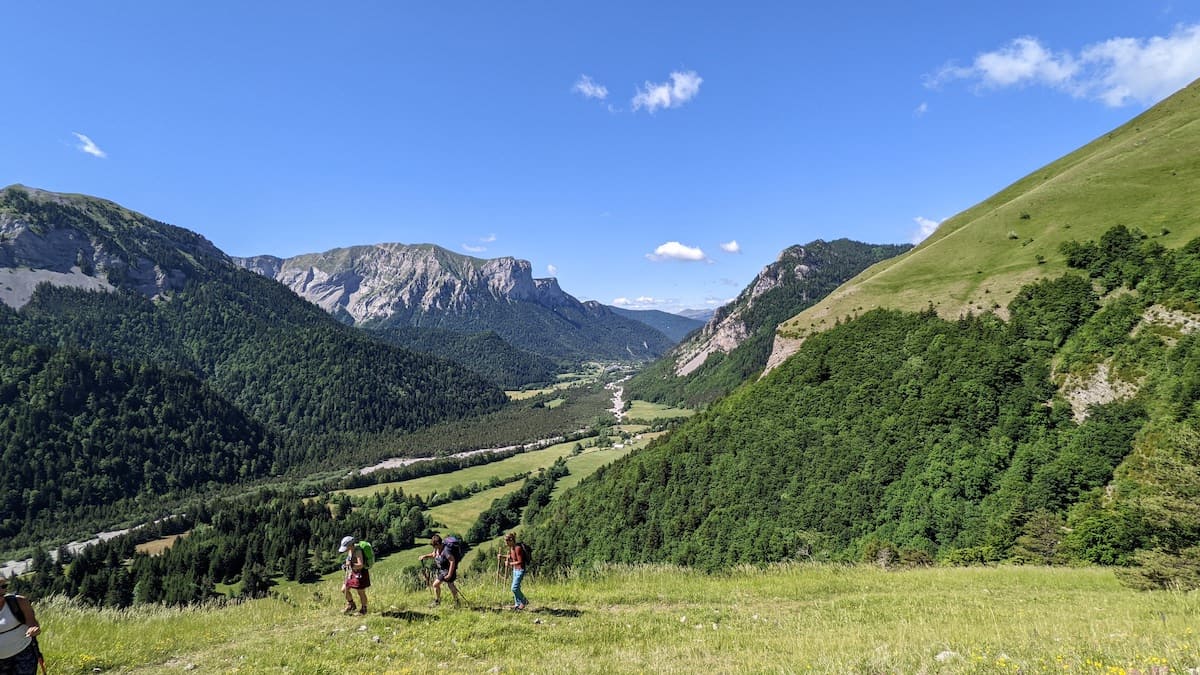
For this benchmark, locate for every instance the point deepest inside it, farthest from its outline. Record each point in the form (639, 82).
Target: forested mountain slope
(82, 435)
(735, 344)
(929, 438)
(485, 353)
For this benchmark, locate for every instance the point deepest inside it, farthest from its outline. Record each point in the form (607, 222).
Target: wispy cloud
(552, 269)
(682, 88)
(641, 302)
(89, 146)
(920, 110)
(673, 250)
(1116, 72)
(589, 88)
(731, 247)
(488, 239)
(469, 248)
(925, 227)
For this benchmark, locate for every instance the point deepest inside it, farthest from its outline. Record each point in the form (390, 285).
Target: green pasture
(427, 485)
(644, 410)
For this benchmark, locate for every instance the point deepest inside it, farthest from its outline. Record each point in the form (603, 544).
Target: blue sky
(652, 155)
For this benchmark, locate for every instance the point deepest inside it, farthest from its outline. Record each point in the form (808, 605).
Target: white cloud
(1145, 71)
(925, 227)
(731, 247)
(921, 109)
(682, 88)
(474, 249)
(1116, 72)
(87, 145)
(641, 302)
(552, 269)
(673, 250)
(589, 88)
(488, 239)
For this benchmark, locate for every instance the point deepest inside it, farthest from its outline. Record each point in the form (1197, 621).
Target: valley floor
(792, 618)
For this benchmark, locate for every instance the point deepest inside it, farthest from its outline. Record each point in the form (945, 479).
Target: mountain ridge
(378, 286)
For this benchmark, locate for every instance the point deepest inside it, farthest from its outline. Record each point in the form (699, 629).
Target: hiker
(517, 558)
(19, 654)
(446, 561)
(358, 576)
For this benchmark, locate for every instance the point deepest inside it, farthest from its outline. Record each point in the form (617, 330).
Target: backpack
(368, 553)
(526, 554)
(10, 599)
(456, 547)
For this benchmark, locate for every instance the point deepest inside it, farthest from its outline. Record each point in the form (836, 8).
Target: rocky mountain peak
(85, 242)
(382, 281)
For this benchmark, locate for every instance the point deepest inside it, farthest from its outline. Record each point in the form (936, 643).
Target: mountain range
(386, 286)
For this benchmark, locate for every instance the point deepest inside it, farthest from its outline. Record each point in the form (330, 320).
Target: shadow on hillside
(565, 613)
(408, 615)
(505, 609)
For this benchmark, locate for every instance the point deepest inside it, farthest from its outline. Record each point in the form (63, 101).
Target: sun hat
(346, 541)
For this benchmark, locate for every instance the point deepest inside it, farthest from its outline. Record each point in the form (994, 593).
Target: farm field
(644, 410)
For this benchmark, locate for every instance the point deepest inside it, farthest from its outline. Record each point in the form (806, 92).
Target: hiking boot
(435, 603)
(349, 608)
(362, 612)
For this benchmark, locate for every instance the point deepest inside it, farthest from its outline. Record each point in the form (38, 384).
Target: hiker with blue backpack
(518, 559)
(19, 628)
(359, 556)
(446, 556)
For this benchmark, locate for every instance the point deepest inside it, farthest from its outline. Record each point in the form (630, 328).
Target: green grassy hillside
(1144, 174)
(795, 618)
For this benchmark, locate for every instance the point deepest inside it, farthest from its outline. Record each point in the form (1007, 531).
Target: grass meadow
(787, 618)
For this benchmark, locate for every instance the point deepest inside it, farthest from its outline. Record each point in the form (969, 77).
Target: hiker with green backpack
(19, 628)
(360, 555)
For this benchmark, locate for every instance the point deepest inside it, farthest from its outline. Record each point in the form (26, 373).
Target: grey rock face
(727, 329)
(71, 257)
(379, 282)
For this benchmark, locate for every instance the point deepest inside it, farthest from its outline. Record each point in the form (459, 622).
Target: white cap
(346, 541)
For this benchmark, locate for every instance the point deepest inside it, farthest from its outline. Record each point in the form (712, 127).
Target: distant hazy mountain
(736, 342)
(673, 326)
(391, 285)
(702, 315)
